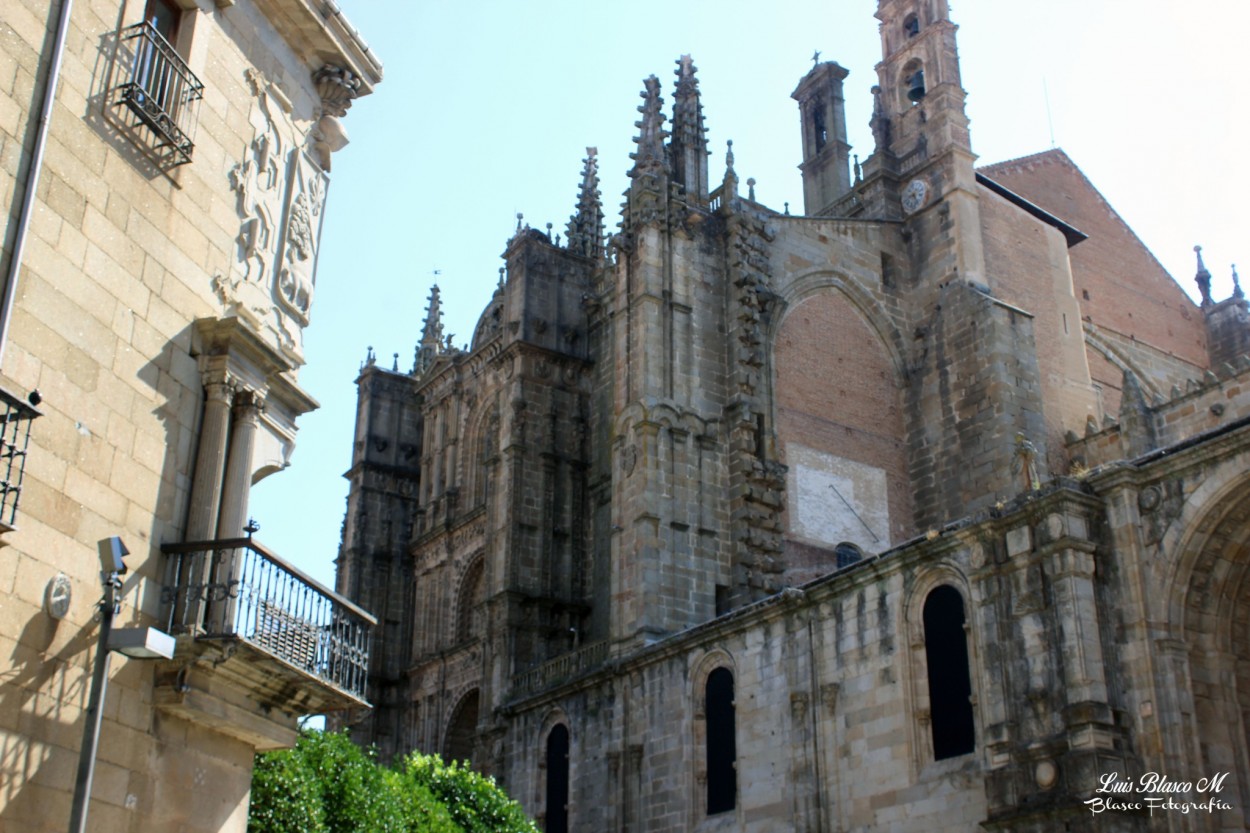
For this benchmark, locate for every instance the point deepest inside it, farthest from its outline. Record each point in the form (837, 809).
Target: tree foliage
(327, 784)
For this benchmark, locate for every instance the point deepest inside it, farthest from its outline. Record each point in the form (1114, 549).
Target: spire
(651, 132)
(648, 189)
(585, 230)
(689, 145)
(431, 334)
(1203, 278)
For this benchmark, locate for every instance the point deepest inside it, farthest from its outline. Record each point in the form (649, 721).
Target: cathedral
(925, 509)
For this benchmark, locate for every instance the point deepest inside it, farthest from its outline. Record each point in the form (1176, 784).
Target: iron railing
(236, 588)
(16, 417)
(161, 90)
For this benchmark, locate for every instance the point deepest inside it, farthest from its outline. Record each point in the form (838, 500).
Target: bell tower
(973, 355)
(922, 142)
(826, 154)
(921, 93)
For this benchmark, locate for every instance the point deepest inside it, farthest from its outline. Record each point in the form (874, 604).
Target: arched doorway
(1212, 603)
(461, 735)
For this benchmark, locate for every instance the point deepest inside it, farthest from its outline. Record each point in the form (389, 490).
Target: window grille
(14, 438)
(160, 90)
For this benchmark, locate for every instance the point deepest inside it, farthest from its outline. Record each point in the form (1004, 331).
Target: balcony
(264, 627)
(160, 91)
(16, 417)
(560, 669)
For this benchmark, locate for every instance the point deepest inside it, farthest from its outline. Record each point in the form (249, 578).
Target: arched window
(913, 82)
(847, 554)
(911, 25)
(722, 747)
(950, 683)
(472, 596)
(558, 780)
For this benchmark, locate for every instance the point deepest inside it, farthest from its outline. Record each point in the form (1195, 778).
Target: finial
(585, 228)
(502, 272)
(729, 185)
(431, 333)
(651, 150)
(549, 231)
(751, 188)
(1237, 293)
(395, 365)
(688, 148)
(859, 174)
(370, 359)
(1203, 278)
(519, 218)
(815, 59)
(787, 208)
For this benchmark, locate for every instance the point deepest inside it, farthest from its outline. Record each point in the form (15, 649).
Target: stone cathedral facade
(926, 509)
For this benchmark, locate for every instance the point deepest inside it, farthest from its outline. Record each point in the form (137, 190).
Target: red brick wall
(1119, 284)
(1027, 264)
(836, 391)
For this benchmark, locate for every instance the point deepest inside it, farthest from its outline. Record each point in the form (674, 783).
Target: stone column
(238, 479)
(210, 461)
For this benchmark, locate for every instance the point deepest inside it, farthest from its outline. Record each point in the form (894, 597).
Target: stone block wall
(125, 253)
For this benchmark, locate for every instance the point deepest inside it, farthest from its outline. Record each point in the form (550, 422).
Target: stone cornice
(321, 35)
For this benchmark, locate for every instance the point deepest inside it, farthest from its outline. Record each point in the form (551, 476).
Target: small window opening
(820, 130)
(722, 749)
(847, 554)
(558, 780)
(759, 436)
(911, 25)
(950, 683)
(887, 271)
(722, 599)
(1085, 294)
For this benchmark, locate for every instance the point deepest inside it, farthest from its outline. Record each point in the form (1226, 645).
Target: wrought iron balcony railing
(237, 589)
(160, 90)
(15, 421)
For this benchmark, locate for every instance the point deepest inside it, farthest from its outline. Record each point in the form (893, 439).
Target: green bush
(474, 800)
(327, 784)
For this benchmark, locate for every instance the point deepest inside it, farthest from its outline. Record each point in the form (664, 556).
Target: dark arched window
(911, 25)
(847, 554)
(472, 595)
(722, 748)
(950, 684)
(558, 780)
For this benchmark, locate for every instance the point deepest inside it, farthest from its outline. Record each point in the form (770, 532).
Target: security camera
(112, 550)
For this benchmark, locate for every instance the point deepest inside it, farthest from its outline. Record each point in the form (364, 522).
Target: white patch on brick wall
(832, 499)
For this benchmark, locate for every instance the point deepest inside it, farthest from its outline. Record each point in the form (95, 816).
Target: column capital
(249, 403)
(221, 389)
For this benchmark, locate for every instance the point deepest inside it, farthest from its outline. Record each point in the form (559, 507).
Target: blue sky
(487, 108)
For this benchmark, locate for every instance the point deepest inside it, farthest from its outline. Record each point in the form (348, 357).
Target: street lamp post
(99, 684)
(146, 643)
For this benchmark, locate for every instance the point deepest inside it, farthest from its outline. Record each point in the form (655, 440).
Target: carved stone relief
(296, 276)
(281, 193)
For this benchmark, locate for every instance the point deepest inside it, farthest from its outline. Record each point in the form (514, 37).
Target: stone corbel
(337, 87)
